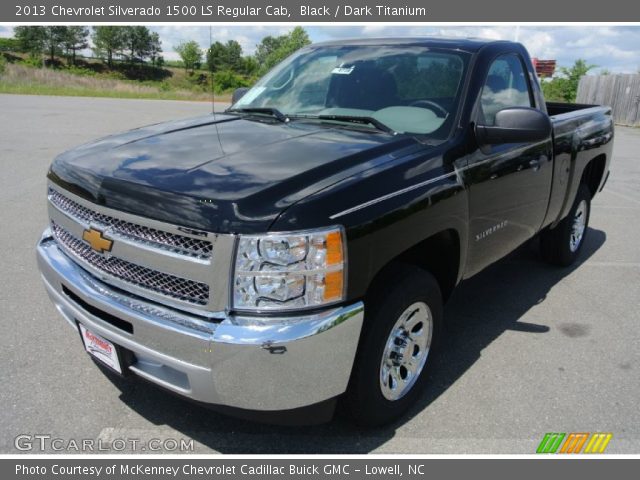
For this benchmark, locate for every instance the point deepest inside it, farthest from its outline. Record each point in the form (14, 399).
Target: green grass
(70, 91)
(24, 79)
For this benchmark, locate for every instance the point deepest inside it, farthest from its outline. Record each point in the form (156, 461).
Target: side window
(506, 86)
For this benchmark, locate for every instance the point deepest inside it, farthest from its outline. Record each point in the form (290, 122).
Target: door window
(506, 86)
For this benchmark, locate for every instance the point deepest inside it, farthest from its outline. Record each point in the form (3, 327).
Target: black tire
(403, 286)
(556, 243)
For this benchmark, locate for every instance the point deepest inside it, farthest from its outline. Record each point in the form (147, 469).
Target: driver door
(509, 184)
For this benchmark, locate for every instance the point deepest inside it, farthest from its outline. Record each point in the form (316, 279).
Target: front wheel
(400, 337)
(562, 244)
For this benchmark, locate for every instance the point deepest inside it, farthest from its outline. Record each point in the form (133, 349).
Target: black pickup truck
(298, 248)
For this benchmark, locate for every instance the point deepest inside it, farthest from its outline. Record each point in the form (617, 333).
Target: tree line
(230, 57)
(138, 44)
(226, 62)
(130, 43)
(230, 68)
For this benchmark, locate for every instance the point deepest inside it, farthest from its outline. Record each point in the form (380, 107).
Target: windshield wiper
(360, 120)
(274, 112)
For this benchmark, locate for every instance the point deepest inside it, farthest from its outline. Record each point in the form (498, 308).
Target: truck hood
(228, 174)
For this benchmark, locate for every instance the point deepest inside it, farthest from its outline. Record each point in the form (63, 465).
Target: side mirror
(238, 93)
(515, 125)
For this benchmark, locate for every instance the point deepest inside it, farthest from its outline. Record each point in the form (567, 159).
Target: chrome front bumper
(253, 363)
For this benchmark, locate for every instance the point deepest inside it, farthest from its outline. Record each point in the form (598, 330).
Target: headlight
(289, 271)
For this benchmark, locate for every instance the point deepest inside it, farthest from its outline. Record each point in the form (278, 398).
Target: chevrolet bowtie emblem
(97, 241)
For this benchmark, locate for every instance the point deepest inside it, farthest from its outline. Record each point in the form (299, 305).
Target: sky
(615, 48)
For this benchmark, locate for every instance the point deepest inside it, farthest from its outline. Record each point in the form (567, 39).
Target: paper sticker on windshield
(343, 70)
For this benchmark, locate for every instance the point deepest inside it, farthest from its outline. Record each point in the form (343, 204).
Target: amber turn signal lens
(334, 248)
(333, 286)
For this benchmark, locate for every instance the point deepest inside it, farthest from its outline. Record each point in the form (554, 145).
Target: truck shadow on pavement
(480, 310)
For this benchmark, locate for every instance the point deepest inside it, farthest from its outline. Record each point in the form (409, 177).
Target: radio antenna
(213, 94)
(213, 90)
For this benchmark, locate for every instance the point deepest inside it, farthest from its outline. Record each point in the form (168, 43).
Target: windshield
(407, 88)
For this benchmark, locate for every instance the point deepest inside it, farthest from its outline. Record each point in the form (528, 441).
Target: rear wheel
(562, 244)
(400, 338)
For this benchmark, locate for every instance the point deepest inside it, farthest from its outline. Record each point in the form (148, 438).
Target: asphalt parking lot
(530, 349)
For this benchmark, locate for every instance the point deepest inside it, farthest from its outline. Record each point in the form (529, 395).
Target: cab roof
(461, 43)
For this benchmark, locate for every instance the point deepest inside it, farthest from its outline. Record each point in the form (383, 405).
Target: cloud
(616, 48)
(247, 37)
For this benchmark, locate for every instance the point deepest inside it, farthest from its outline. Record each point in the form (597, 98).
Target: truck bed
(558, 108)
(573, 118)
(580, 133)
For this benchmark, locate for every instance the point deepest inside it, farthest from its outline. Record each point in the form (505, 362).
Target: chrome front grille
(172, 286)
(179, 244)
(180, 267)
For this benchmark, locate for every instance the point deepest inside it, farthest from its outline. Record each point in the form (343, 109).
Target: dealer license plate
(100, 348)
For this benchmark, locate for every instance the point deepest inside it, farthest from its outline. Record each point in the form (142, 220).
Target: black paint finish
(248, 174)
(182, 172)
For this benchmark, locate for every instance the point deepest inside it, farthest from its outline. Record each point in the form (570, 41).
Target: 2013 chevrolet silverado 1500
(299, 247)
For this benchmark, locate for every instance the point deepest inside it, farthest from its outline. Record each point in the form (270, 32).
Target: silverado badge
(97, 241)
